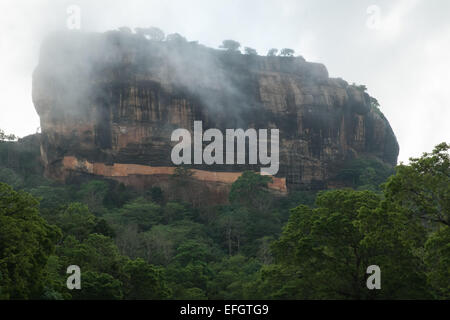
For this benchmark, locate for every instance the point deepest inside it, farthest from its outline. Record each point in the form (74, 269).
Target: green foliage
(232, 276)
(76, 220)
(22, 159)
(364, 173)
(437, 258)
(98, 286)
(144, 281)
(249, 189)
(331, 246)
(93, 193)
(423, 186)
(117, 195)
(134, 245)
(157, 195)
(10, 177)
(96, 253)
(142, 213)
(26, 241)
(51, 198)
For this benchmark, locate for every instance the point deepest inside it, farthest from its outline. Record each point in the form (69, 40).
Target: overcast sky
(399, 49)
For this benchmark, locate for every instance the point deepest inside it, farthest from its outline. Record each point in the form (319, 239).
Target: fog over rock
(108, 103)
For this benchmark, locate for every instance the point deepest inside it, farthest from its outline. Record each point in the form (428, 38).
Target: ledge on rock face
(115, 98)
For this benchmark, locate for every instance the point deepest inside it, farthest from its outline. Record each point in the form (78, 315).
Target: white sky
(403, 57)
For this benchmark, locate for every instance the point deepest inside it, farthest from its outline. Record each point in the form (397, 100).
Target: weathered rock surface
(108, 104)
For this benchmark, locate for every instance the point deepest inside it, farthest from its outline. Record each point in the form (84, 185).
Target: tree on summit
(250, 51)
(230, 45)
(6, 137)
(286, 52)
(272, 52)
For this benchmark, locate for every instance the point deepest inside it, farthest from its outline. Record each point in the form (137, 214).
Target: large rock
(108, 104)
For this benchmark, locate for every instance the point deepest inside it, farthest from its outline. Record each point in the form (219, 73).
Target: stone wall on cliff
(113, 99)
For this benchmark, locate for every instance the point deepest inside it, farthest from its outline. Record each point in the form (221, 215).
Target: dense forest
(134, 244)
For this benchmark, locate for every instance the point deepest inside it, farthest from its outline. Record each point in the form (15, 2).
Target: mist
(397, 49)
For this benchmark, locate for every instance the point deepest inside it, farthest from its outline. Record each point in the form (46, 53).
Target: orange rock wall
(125, 170)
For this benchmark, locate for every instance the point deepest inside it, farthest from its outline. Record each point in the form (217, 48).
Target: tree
(97, 253)
(272, 52)
(76, 220)
(158, 245)
(157, 195)
(250, 51)
(98, 286)
(176, 38)
(173, 211)
(155, 34)
(11, 177)
(250, 189)
(286, 52)
(232, 225)
(361, 87)
(141, 212)
(374, 103)
(152, 33)
(231, 277)
(26, 242)
(144, 281)
(93, 193)
(327, 250)
(230, 45)
(423, 186)
(6, 137)
(181, 177)
(437, 259)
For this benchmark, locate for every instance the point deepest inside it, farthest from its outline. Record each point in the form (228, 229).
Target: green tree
(141, 212)
(286, 52)
(250, 190)
(97, 253)
(232, 276)
(98, 286)
(423, 186)
(26, 241)
(232, 225)
(93, 193)
(144, 281)
(437, 259)
(11, 178)
(76, 220)
(327, 249)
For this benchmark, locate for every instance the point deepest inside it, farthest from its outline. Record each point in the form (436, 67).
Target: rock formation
(109, 102)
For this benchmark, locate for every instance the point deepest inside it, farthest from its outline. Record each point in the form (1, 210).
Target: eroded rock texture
(110, 100)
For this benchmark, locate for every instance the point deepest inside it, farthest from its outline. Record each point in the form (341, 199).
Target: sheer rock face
(111, 100)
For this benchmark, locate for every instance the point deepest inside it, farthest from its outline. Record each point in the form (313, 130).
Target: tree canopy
(230, 45)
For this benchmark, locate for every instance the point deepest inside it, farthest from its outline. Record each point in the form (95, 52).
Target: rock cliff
(109, 102)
